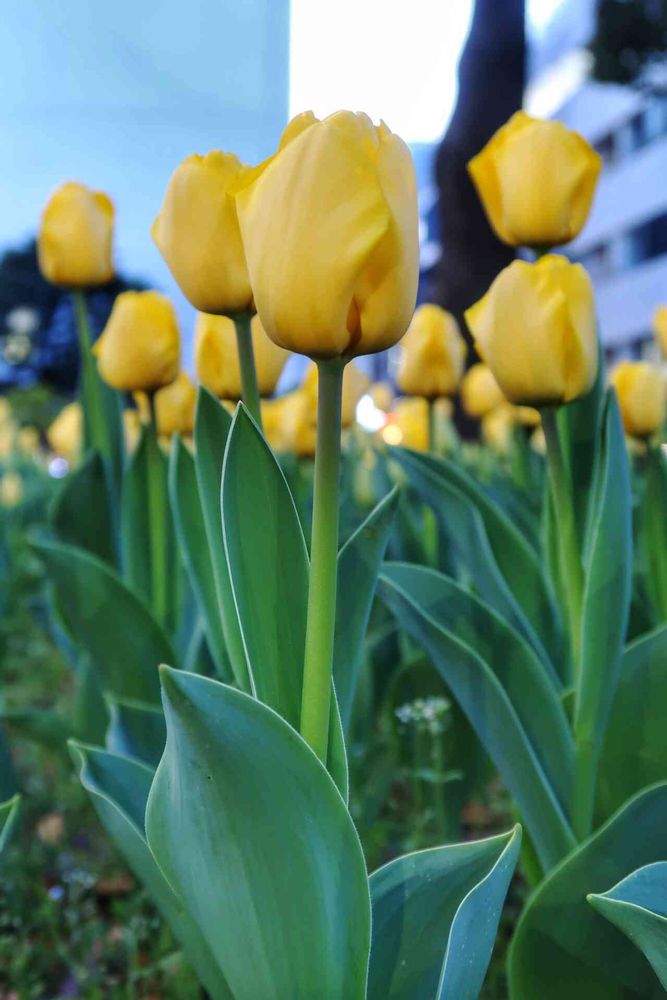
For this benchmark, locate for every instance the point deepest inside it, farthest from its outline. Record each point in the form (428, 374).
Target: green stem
(247, 364)
(432, 426)
(157, 519)
(585, 780)
(318, 660)
(95, 431)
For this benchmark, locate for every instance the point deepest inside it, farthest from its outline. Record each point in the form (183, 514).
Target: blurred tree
(630, 43)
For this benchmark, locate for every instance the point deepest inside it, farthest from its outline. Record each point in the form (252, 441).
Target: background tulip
(432, 354)
(480, 393)
(74, 243)
(329, 227)
(197, 233)
(355, 384)
(642, 396)
(498, 428)
(217, 357)
(140, 346)
(65, 434)
(535, 328)
(411, 417)
(11, 489)
(175, 407)
(536, 180)
(660, 327)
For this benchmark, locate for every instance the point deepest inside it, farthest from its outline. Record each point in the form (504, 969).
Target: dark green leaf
(136, 729)
(9, 812)
(80, 513)
(135, 520)
(653, 531)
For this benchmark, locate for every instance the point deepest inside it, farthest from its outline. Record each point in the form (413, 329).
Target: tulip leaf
(579, 426)
(193, 544)
(80, 513)
(136, 729)
(118, 788)
(125, 643)
(561, 947)
(653, 531)
(634, 753)
(502, 688)
(638, 907)
(134, 521)
(9, 813)
(250, 830)
(501, 563)
(269, 572)
(212, 426)
(435, 917)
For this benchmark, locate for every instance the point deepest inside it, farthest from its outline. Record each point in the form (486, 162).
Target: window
(647, 241)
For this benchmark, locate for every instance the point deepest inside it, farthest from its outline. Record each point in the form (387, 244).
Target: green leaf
(252, 833)
(212, 426)
(194, 547)
(561, 947)
(269, 570)
(134, 521)
(46, 727)
(123, 640)
(578, 429)
(435, 917)
(136, 729)
(503, 690)
(502, 565)
(118, 787)
(9, 812)
(638, 907)
(634, 753)
(80, 513)
(358, 567)
(653, 531)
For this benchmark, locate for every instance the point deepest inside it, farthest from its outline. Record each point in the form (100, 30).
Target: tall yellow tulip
(409, 425)
(535, 328)
(536, 180)
(74, 243)
(65, 433)
(139, 348)
(642, 397)
(175, 407)
(329, 227)
(217, 357)
(480, 393)
(660, 327)
(432, 354)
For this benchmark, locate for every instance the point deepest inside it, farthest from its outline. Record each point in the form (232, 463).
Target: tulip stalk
(247, 364)
(157, 516)
(321, 620)
(95, 428)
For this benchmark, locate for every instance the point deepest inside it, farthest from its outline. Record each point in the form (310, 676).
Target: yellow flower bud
(409, 424)
(480, 393)
(329, 227)
(132, 424)
(175, 407)
(27, 440)
(660, 327)
(299, 422)
(217, 357)
(536, 180)
(642, 397)
(11, 489)
(536, 330)
(140, 345)
(382, 395)
(75, 237)
(65, 434)
(5, 411)
(498, 428)
(7, 439)
(432, 354)
(197, 233)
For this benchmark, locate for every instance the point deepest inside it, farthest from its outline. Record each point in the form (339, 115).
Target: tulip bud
(11, 489)
(480, 393)
(175, 407)
(382, 395)
(642, 396)
(536, 180)
(299, 418)
(75, 237)
(27, 440)
(660, 327)
(217, 358)
(498, 428)
(535, 329)
(432, 354)
(329, 227)
(140, 346)
(197, 233)
(65, 434)
(409, 425)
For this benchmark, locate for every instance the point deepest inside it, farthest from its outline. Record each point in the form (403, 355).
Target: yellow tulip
(660, 327)
(299, 421)
(5, 411)
(140, 346)
(382, 395)
(273, 421)
(432, 354)
(480, 393)
(217, 358)
(642, 396)
(65, 434)
(329, 227)
(175, 407)
(498, 428)
(74, 243)
(409, 424)
(27, 440)
(536, 180)
(535, 328)
(197, 233)
(132, 424)
(11, 489)
(527, 416)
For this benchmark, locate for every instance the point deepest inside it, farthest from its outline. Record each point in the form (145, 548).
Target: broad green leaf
(251, 831)
(123, 640)
(502, 566)
(134, 521)
(653, 531)
(358, 566)
(561, 947)
(194, 547)
(118, 788)
(638, 907)
(136, 729)
(9, 812)
(89, 711)
(212, 426)
(80, 513)
(435, 917)
(502, 689)
(269, 570)
(634, 752)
